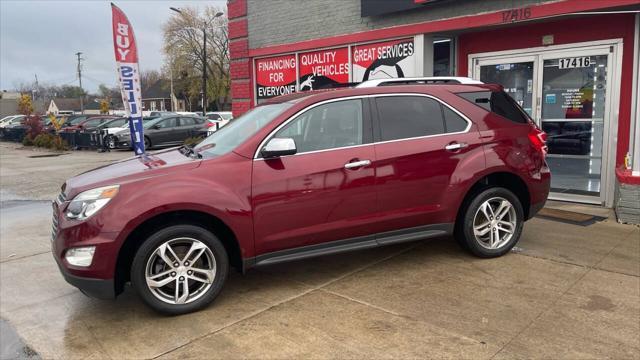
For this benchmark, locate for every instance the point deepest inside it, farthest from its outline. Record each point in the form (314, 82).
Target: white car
(218, 119)
(11, 120)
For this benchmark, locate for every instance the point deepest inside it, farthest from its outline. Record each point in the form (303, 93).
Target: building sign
(323, 69)
(389, 59)
(275, 76)
(381, 7)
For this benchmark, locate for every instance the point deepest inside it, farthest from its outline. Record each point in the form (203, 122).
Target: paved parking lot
(567, 291)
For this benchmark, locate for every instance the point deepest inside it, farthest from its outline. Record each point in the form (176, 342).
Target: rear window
(498, 102)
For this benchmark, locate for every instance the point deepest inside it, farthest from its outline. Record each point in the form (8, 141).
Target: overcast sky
(42, 37)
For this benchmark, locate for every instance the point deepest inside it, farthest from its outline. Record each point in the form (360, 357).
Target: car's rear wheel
(180, 269)
(147, 143)
(491, 224)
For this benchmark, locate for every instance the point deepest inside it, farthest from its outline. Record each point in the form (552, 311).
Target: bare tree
(183, 40)
(148, 78)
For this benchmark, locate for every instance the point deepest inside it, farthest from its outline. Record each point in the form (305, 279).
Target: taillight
(209, 124)
(538, 139)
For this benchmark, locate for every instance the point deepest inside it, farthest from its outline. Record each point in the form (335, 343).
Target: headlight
(89, 202)
(80, 256)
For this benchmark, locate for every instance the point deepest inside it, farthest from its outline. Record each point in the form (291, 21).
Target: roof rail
(419, 80)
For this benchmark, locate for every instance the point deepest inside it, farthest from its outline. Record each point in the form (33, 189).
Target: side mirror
(155, 127)
(279, 147)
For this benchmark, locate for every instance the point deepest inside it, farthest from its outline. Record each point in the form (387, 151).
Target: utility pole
(80, 80)
(35, 91)
(204, 71)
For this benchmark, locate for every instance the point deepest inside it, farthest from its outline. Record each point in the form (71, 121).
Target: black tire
(110, 142)
(153, 242)
(147, 143)
(464, 231)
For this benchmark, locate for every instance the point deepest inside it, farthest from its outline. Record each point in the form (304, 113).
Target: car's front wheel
(180, 269)
(492, 223)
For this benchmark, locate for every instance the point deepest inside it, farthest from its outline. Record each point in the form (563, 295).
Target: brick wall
(239, 51)
(275, 22)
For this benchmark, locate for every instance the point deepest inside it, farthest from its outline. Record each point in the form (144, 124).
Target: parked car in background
(190, 113)
(304, 175)
(164, 131)
(6, 119)
(161, 113)
(218, 119)
(111, 128)
(16, 119)
(85, 124)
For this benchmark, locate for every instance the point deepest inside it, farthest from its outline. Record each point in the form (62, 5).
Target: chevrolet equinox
(304, 175)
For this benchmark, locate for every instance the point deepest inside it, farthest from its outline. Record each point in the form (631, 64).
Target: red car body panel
(306, 199)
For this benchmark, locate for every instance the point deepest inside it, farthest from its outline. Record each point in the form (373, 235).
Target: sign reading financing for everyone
(275, 76)
(383, 60)
(124, 44)
(323, 69)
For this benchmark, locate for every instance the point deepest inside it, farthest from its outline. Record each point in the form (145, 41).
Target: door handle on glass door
(357, 164)
(455, 146)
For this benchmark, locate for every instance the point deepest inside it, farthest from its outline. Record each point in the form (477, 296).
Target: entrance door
(567, 91)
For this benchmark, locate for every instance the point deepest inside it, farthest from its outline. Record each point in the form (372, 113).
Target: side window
(452, 121)
(403, 117)
(185, 121)
(498, 102)
(168, 123)
(213, 117)
(333, 125)
(480, 98)
(503, 105)
(92, 123)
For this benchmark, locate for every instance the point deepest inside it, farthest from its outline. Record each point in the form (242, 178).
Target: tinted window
(187, 121)
(497, 102)
(481, 98)
(452, 121)
(92, 123)
(504, 106)
(404, 117)
(328, 126)
(213, 116)
(167, 123)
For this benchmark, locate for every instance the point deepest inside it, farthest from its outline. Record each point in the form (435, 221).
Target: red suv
(305, 175)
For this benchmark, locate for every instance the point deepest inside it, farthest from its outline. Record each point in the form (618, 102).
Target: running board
(353, 244)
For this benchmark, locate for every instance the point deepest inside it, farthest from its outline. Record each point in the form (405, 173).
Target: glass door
(516, 74)
(568, 94)
(574, 116)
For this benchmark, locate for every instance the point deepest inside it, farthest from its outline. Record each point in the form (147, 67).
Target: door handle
(455, 146)
(357, 164)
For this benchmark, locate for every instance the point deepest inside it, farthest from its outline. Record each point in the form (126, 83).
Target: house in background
(9, 104)
(158, 98)
(65, 105)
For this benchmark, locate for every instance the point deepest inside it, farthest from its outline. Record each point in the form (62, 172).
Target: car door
(164, 131)
(421, 143)
(324, 192)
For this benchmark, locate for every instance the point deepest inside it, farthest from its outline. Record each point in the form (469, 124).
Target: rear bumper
(95, 288)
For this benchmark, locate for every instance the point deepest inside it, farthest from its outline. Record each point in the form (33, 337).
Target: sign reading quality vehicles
(324, 68)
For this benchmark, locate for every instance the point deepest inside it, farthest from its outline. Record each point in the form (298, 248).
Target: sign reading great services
(324, 68)
(383, 60)
(275, 76)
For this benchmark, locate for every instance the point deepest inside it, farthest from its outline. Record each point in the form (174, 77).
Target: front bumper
(96, 288)
(96, 280)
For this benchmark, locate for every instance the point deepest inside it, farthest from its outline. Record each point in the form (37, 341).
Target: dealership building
(571, 64)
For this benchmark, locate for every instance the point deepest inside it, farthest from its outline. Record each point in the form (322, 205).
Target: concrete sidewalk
(567, 292)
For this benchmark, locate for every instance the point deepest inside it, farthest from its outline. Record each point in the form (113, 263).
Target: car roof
(389, 89)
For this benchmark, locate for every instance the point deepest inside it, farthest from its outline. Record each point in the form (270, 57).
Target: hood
(115, 130)
(130, 170)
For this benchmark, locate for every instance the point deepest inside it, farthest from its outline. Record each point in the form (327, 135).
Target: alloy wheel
(494, 223)
(180, 271)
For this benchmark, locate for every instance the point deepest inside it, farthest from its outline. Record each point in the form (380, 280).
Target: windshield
(240, 129)
(226, 116)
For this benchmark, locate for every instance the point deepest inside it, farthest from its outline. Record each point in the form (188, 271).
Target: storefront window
(516, 78)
